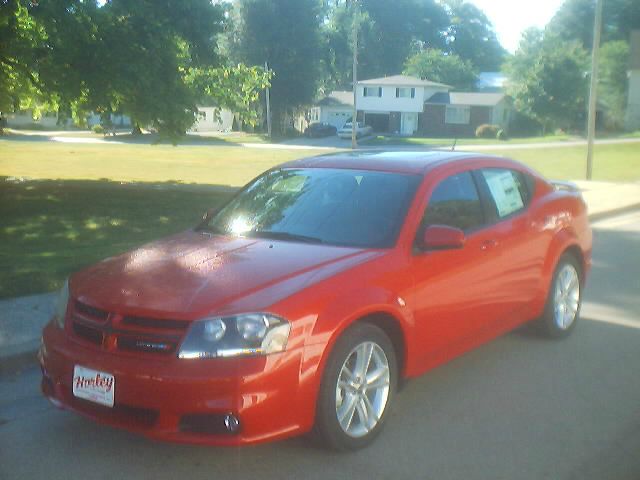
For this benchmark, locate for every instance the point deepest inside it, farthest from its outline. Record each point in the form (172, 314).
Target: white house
(28, 118)
(334, 109)
(632, 116)
(393, 104)
(208, 121)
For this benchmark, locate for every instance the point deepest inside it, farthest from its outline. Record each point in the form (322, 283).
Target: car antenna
(453, 147)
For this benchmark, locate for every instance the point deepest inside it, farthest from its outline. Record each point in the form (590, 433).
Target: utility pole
(591, 121)
(266, 68)
(354, 123)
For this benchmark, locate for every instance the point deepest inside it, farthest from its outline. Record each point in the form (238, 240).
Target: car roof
(408, 162)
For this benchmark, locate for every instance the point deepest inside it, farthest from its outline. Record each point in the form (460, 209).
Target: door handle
(487, 244)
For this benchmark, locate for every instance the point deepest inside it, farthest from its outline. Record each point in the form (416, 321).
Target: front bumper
(173, 399)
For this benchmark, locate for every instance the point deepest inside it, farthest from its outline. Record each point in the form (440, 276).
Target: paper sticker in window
(504, 189)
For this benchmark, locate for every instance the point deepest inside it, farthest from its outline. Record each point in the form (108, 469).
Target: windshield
(329, 206)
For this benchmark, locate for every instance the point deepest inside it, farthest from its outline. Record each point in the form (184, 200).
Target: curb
(24, 355)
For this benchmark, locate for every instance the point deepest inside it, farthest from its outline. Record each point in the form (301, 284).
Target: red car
(313, 293)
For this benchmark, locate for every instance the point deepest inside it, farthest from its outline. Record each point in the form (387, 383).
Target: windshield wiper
(283, 236)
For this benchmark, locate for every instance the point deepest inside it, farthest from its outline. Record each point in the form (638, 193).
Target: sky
(511, 17)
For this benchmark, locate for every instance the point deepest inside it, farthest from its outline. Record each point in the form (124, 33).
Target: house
(394, 104)
(334, 109)
(31, 119)
(212, 119)
(453, 114)
(632, 116)
(406, 105)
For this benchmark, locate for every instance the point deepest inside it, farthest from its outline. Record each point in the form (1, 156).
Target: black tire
(327, 427)
(549, 323)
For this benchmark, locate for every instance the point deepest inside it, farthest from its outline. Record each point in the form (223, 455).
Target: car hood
(194, 273)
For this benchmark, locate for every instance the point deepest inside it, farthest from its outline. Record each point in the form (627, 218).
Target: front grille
(112, 331)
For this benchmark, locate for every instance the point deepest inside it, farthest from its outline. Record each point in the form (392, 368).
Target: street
(521, 407)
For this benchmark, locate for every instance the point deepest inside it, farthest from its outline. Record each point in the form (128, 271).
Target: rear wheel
(564, 299)
(358, 386)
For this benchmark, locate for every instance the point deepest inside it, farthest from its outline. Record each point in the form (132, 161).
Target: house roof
(634, 52)
(463, 98)
(402, 81)
(337, 98)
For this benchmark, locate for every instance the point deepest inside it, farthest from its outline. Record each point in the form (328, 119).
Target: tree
(471, 36)
(547, 80)
(612, 80)
(435, 65)
(235, 88)
(574, 20)
(286, 34)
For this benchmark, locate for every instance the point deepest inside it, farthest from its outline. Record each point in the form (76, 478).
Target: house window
(405, 92)
(457, 115)
(372, 91)
(202, 116)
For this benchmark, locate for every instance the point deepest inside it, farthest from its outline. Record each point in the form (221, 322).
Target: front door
(409, 123)
(455, 291)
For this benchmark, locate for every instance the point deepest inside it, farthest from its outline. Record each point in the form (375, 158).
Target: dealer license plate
(98, 387)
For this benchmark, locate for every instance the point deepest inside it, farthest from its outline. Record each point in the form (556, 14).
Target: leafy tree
(286, 34)
(471, 36)
(547, 80)
(612, 80)
(449, 69)
(574, 20)
(20, 86)
(234, 88)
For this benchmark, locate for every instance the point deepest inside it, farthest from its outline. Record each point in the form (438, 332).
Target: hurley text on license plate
(98, 387)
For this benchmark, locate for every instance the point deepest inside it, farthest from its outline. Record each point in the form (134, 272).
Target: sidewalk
(22, 319)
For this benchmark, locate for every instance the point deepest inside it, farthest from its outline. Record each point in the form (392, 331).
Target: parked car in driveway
(304, 301)
(320, 129)
(361, 130)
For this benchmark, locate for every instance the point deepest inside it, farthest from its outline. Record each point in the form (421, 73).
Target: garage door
(338, 119)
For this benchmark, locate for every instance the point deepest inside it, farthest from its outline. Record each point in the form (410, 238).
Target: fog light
(232, 423)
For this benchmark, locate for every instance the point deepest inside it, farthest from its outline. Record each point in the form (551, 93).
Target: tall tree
(547, 81)
(286, 34)
(471, 36)
(574, 20)
(435, 65)
(612, 80)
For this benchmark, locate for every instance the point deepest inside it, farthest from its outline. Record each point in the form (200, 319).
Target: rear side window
(508, 190)
(455, 202)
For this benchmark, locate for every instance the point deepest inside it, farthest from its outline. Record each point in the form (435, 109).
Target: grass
(65, 206)
(615, 162)
(212, 165)
(384, 140)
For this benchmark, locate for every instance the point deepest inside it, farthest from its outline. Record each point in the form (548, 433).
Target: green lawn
(384, 140)
(64, 206)
(617, 163)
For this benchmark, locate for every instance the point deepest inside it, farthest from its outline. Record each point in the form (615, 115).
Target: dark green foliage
(449, 69)
(286, 34)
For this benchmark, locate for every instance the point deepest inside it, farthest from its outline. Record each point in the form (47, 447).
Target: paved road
(518, 408)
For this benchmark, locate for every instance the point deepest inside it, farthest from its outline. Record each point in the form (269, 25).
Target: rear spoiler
(566, 186)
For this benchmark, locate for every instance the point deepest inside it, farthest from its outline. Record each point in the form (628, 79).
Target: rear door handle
(487, 244)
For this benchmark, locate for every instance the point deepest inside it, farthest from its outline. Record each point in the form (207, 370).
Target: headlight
(61, 305)
(248, 334)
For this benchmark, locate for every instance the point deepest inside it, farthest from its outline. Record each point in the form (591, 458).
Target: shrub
(487, 131)
(502, 135)
(97, 128)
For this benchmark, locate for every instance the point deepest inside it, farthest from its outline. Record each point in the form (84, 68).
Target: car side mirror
(442, 237)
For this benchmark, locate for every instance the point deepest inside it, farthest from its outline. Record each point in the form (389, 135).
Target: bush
(502, 135)
(97, 128)
(487, 131)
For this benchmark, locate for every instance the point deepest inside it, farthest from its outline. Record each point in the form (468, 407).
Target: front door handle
(488, 244)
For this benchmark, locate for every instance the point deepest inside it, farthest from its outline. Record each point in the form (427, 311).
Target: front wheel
(358, 386)
(564, 299)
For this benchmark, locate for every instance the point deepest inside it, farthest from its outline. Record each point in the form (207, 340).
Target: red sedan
(304, 301)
